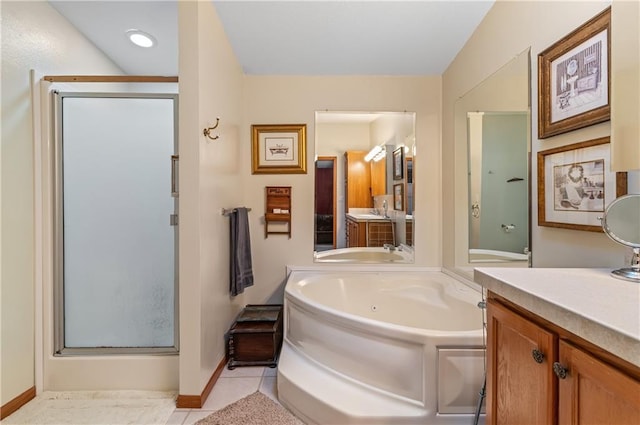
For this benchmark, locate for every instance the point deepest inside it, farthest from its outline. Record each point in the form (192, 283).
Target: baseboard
(197, 401)
(18, 402)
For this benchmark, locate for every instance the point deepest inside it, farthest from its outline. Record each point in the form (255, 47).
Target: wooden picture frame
(574, 79)
(575, 185)
(398, 163)
(279, 149)
(398, 197)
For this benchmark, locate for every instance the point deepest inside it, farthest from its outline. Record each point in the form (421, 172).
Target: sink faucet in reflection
(385, 208)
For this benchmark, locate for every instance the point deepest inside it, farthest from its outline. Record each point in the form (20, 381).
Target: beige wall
(210, 179)
(34, 36)
(294, 99)
(508, 29)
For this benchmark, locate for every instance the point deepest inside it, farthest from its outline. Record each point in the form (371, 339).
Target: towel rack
(227, 211)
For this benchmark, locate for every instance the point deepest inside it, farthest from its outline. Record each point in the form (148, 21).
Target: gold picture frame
(575, 185)
(279, 149)
(574, 82)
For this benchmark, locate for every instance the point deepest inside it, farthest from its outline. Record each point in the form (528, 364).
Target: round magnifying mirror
(621, 222)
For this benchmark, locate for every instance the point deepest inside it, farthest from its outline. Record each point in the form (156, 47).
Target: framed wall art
(573, 79)
(279, 149)
(398, 197)
(398, 163)
(575, 185)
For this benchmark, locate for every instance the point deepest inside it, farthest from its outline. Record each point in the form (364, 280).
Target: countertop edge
(618, 344)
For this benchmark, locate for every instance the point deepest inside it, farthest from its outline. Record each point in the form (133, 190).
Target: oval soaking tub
(492, 256)
(364, 254)
(381, 348)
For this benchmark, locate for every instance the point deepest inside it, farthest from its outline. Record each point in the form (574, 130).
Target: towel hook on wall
(207, 131)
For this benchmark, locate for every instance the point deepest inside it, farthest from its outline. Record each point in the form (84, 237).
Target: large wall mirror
(364, 187)
(493, 146)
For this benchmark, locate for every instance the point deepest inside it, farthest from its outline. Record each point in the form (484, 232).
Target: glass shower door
(116, 265)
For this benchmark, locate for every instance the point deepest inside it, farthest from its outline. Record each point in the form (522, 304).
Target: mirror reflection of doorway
(325, 204)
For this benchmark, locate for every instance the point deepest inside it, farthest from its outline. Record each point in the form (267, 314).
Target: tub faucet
(389, 246)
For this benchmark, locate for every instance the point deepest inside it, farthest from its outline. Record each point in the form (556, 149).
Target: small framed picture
(573, 79)
(575, 185)
(398, 163)
(398, 197)
(279, 149)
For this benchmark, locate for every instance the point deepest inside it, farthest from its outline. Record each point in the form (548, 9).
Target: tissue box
(255, 337)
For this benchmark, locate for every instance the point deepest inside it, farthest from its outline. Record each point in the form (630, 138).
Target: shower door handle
(174, 175)
(475, 210)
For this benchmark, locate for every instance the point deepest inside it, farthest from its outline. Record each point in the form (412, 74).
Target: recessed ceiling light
(141, 38)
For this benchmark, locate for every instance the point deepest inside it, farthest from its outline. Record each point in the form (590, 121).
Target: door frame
(58, 227)
(153, 372)
(334, 161)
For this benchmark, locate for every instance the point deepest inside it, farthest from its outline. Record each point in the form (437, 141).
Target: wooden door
(358, 181)
(520, 388)
(378, 178)
(593, 392)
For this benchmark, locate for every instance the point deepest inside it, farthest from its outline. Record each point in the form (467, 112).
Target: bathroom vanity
(563, 346)
(368, 230)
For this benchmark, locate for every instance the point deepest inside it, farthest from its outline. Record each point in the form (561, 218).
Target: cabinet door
(358, 181)
(378, 178)
(592, 392)
(521, 387)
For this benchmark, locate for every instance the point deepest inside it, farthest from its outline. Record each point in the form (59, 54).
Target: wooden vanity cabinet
(521, 388)
(540, 374)
(594, 392)
(356, 233)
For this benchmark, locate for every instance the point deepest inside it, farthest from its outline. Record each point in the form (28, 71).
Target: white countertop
(587, 302)
(367, 217)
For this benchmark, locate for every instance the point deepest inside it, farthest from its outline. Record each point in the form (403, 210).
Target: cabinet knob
(559, 370)
(537, 355)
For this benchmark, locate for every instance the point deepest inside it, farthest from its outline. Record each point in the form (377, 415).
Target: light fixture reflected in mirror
(376, 154)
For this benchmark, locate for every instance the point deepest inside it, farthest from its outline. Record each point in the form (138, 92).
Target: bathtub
(381, 348)
(493, 256)
(368, 254)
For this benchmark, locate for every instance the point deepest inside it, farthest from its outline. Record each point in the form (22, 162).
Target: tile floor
(231, 386)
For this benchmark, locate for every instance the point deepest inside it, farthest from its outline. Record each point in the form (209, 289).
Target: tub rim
(364, 323)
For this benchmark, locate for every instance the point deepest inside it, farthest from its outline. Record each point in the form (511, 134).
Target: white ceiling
(419, 37)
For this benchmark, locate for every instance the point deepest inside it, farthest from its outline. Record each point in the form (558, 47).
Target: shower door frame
(60, 350)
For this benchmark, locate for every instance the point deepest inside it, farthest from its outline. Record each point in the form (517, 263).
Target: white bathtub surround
(490, 256)
(402, 254)
(401, 347)
(590, 303)
(96, 407)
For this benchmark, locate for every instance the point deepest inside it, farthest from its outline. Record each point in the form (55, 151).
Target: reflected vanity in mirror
(621, 222)
(492, 137)
(363, 200)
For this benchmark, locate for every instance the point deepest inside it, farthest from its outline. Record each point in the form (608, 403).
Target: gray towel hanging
(241, 273)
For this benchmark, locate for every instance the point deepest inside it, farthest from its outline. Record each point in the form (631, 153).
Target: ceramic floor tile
(269, 388)
(195, 415)
(228, 390)
(241, 372)
(178, 417)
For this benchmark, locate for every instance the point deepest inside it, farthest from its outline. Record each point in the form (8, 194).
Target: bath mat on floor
(254, 409)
